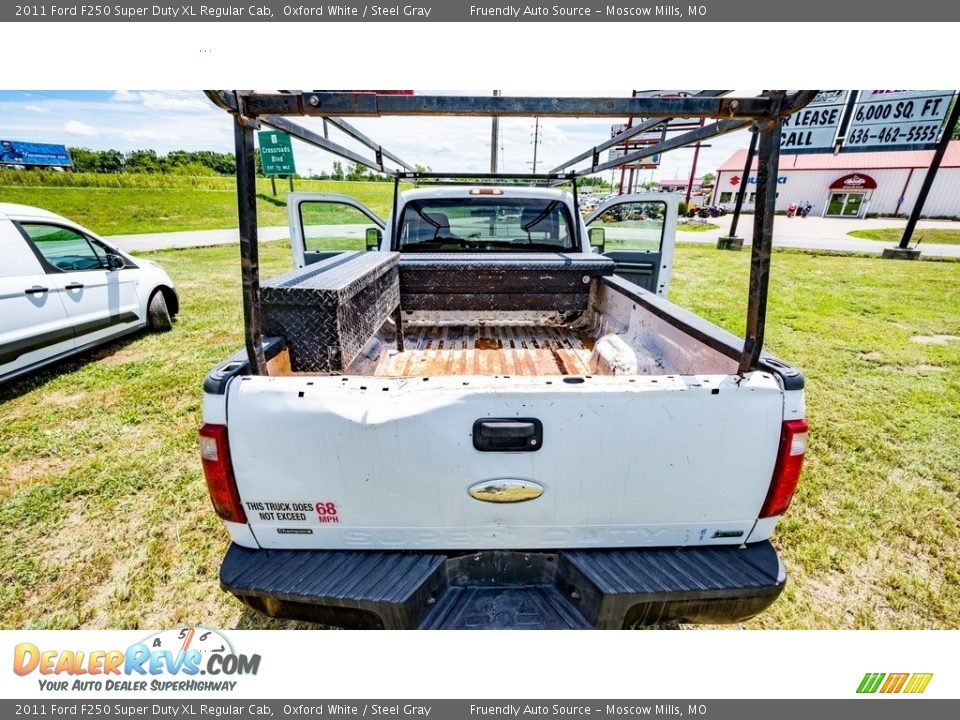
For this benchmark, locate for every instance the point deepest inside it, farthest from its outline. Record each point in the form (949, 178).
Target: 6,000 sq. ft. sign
(897, 119)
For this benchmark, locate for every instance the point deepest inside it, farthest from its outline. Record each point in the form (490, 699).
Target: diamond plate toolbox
(327, 311)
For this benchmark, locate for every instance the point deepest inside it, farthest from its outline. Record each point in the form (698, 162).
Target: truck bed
(488, 349)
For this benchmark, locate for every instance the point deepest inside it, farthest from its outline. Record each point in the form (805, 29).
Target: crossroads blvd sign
(276, 153)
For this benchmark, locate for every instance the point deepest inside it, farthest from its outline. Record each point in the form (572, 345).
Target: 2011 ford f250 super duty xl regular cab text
(482, 423)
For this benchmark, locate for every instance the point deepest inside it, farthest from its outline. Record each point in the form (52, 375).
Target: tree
(709, 179)
(84, 160)
(111, 161)
(337, 173)
(956, 132)
(357, 172)
(144, 161)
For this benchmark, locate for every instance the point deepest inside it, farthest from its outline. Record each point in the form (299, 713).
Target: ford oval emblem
(506, 490)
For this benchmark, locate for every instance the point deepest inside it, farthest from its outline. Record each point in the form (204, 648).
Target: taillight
(786, 473)
(215, 455)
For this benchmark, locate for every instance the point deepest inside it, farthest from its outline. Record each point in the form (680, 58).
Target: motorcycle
(712, 211)
(805, 209)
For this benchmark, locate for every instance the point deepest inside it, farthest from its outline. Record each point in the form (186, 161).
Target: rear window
(479, 224)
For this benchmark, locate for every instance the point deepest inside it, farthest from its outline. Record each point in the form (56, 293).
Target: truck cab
(636, 231)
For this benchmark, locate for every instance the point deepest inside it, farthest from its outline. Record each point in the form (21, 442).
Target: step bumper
(565, 589)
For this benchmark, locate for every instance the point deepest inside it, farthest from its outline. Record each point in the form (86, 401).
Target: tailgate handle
(507, 434)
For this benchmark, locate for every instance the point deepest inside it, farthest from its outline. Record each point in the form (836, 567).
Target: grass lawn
(696, 227)
(177, 204)
(106, 522)
(938, 236)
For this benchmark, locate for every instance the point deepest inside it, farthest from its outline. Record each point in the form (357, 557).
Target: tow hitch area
(572, 589)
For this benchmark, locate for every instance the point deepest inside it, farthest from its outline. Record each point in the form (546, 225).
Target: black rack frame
(763, 114)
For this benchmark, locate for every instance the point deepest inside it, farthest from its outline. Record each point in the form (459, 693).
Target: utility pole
(536, 142)
(494, 136)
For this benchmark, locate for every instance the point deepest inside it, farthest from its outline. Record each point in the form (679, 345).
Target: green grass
(153, 203)
(937, 236)
(106, 522)
(698, 227)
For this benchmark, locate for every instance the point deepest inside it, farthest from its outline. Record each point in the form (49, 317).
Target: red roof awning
(854, 181)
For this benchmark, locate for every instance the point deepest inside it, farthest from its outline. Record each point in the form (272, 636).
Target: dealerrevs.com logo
(182, 659)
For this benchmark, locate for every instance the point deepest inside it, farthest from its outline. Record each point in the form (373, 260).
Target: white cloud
(36, 108)
(155, 135)
(75, 127)
(124, 96)
(154, 100)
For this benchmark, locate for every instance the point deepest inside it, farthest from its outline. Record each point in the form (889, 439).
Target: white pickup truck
(484, 422)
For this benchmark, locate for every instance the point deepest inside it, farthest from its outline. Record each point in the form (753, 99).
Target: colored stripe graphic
(918, 683)
(894, 683)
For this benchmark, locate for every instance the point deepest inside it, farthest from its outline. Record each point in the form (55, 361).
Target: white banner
(489, 664)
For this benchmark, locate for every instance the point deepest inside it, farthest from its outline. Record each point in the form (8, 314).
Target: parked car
(63, 290)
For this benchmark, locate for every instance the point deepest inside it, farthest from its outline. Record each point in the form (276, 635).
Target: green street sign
(276, 153)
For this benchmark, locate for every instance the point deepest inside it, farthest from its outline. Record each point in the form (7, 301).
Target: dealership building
(852, 184)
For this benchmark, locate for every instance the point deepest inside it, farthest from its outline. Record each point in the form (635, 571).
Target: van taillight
(786, 473)
(215, 455)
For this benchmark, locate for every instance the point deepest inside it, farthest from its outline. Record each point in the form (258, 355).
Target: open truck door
(638, 233)
(323, 225)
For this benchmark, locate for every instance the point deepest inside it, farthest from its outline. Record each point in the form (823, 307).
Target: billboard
(867, 120)
(14, 152)
(897, 120)
(815, 127)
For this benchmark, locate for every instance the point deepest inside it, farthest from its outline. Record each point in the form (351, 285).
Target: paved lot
(812, 233)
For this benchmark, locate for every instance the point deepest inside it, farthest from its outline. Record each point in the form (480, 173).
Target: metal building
(853, 185)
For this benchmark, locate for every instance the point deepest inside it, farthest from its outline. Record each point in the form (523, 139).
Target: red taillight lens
(215, 455)
(793, 444)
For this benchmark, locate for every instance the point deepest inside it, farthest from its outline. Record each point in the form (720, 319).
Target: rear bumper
(605, 589)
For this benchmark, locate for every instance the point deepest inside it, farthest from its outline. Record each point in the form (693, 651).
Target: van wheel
(158, 316)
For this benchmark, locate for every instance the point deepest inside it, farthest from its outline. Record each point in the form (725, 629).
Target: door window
(633, 225)
(852, 206)
(333, 226)
(845, 204)
(65, 249)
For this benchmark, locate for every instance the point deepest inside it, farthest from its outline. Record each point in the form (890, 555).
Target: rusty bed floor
(487, 349)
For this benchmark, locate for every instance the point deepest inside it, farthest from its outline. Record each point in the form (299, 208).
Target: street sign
(647, 163)
(814, 128)
(276, 153)
(897, 120)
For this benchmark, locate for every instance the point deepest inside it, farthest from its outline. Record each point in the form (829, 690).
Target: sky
(165, 120)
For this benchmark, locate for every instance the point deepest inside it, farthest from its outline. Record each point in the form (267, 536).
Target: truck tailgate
(359, 462)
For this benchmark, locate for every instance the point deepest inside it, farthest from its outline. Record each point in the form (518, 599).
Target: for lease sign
(815, 127)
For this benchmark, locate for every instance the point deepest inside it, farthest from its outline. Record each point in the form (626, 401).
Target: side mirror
(115, 262)
(374, 236)
(598, 239)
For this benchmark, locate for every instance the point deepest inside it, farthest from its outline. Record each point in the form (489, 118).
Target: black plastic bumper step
(507, 589)
(485, 608)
